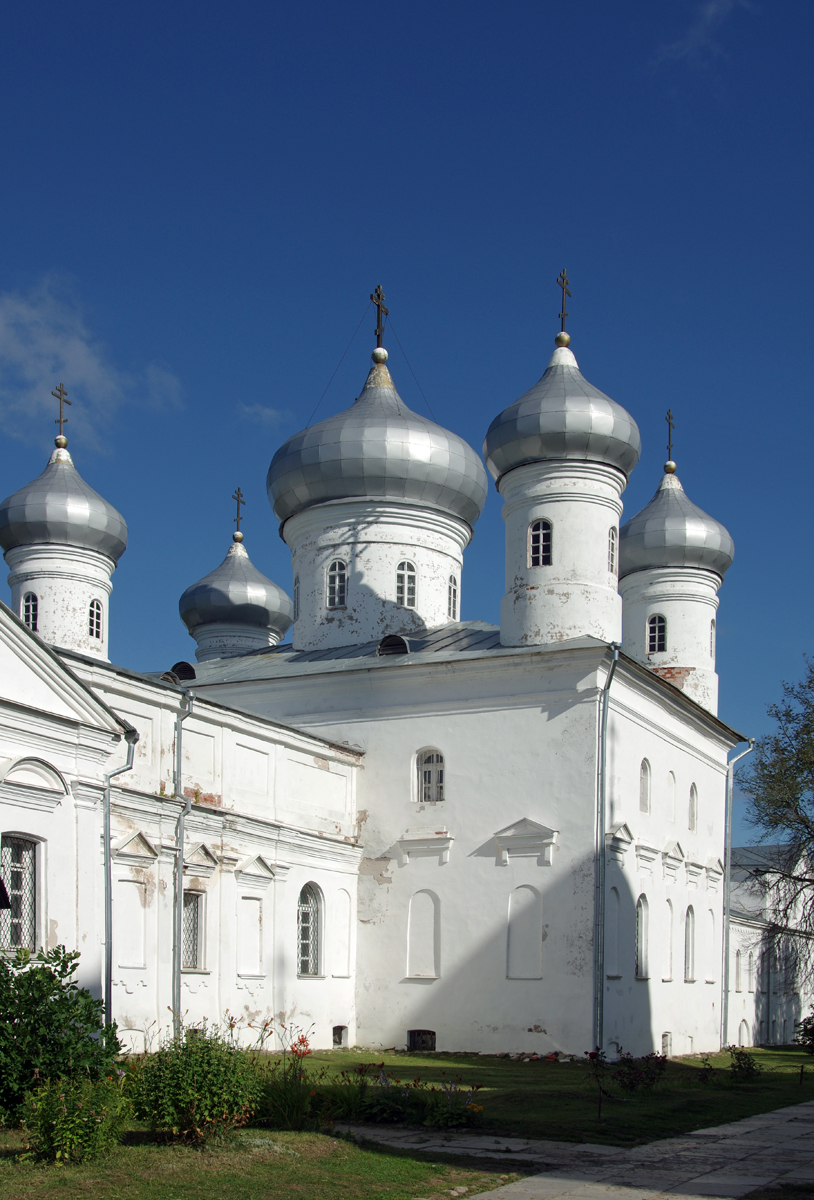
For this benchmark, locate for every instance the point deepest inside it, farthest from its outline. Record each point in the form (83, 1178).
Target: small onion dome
(236, 593)
(377, 448)
(671, 531)
(562, 417)
(58, 508)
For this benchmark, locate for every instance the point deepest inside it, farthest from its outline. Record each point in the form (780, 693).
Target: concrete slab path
(726, 1161)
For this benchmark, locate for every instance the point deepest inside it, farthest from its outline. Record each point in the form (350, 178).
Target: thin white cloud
(44, 340)
(261, 414)
(700, 43)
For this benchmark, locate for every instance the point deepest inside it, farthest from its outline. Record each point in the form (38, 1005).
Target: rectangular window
(540, 544)
(656, 635)
(18, 868)
(191, 956)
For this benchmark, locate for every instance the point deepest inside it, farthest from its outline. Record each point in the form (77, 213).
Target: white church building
(398, 828)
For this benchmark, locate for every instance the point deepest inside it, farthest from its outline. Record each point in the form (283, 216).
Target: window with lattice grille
(430, 776)
(308, 931)
(656, 635)
(18, 867)
(337, 584)
(95, 619)
(405, 584)
(31, 611)
(296, 597)
(191, 931)
(540, 544)
(613, 538)
(452, 599)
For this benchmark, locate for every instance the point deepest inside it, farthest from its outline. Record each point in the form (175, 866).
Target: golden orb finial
(669, 467)
(563, 338)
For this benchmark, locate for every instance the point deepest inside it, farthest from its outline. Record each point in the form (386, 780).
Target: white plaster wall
(688, 600)
(372, 538)
(65, 579)
(224, 640)
(577, 595)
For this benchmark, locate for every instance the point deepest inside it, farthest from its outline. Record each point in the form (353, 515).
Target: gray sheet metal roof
(671, 531)
(236, 593)
(377, 448)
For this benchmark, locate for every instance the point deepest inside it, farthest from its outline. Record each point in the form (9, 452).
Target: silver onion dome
(377, 448)
(671, 531)
(59, 508)
(562, 417)
(236, 593)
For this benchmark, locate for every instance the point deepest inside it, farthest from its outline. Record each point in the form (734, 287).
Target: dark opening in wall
(420, 1039)
(340, 1035)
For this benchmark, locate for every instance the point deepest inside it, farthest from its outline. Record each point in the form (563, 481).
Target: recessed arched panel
(612, 934)
(423, 936)
(32, 772)
(340, 934)
(524, 958)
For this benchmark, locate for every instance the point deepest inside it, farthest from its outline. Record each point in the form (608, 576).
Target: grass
(558, 1101)
(535, 1099)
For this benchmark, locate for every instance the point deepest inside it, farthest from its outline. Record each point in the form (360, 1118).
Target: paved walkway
(726, 1161)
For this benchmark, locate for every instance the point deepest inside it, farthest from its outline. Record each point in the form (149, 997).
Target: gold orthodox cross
(62, 396)
(238, 496)
(670, 428)
(562, 280)
(378, 299)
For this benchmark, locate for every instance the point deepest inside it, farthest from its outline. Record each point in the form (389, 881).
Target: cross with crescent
(563, 281)
(378, 299)
(62, 396)
(238, 496)
(670, 428)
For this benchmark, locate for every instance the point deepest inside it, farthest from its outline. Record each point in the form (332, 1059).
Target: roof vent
(170, 677)
(184, 670)
(394, 643)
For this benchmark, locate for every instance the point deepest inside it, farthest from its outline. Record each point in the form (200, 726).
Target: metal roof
(671, 531)
(236, 593)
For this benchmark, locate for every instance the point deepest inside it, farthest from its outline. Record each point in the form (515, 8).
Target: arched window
(308, 931)
(612, 935)
(540, 544)
(613, 541)
(671, 796)
(712, 639)
(642, 971)
(405, 585)
(750, 972)
(296, 597)
(689, 946)
(710, 953)
(452, 599)
(668, 944)
(656, 635)
(692, 813)
(31, 609)
(337, 584)
(430, 776)
(95, 619)
(737, 970)
(644, 787)
(18, 868)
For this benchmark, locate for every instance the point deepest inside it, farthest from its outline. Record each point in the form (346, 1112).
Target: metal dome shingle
(671, 531)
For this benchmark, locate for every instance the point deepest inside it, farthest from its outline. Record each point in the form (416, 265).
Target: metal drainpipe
(178, 915)
(730, 776)
(131, 737)
(599, 862)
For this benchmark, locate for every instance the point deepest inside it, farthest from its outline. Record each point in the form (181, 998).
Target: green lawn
(540, 1099)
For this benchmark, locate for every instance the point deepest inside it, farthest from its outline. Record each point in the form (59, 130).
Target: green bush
(367, 1093)
(805, 1033)
(291, 1097)
(49, 1027)
(197, 1086)
(743, 1066)
(73, 1120)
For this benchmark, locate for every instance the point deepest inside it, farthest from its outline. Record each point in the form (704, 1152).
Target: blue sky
(198, 199)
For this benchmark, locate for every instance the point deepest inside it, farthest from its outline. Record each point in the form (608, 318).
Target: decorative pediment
(618, 840)
(694, 871)
(645, 857)
(526, 839)
(426, 843)
(134, 847)
(199, 860)
(672, 856)
(254, 872)
(715, 873)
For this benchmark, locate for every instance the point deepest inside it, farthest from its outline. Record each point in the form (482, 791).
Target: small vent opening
(340, 1035)
(420, 1039)
(394, 643)
(184, 670)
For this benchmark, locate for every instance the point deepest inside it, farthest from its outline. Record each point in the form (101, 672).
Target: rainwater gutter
(599, 858)
(131, 737)
(178, 850)
(730, 777)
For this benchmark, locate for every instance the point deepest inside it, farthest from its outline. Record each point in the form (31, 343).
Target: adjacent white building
(399, 827)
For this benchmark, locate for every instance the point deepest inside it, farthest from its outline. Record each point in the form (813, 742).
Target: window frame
(545, 553)
(200, 918)
(656, 634)
(642, 931)
(437, 767)
(295, 595)
(30, 611)
(406, 584)
(613, 551)
(692, 810)
(336, 586)
(38, 889)
(95, 614)
(452, 598)
(645, 787)
(317, 909)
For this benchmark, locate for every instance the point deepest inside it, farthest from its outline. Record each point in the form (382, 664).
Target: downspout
(178, 848)
(730, 777)
(131, 737)
(599, 858)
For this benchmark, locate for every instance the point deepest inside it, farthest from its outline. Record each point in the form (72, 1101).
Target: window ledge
(613, 976)
(195, 971)
(312, 976)
(666, 979)
(642, 978)
(245, 975)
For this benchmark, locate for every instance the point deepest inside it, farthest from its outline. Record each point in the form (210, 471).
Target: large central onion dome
(562, 417)
(59, 508)
(236, 593)
(378, 449)
(671, 531)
